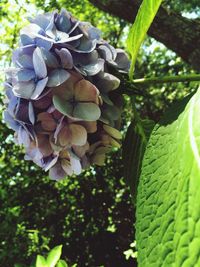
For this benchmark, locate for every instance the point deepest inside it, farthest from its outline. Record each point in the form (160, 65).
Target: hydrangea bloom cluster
(58, 94)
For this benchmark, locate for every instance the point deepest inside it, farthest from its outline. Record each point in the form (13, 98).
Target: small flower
(31, 76)
(78, 99)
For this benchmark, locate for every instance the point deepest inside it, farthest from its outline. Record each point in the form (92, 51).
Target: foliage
(167, 209)
(143, 20)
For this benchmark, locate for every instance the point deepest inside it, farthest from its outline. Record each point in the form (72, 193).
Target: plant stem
(168, 79)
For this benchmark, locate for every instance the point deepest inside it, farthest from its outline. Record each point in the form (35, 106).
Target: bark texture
(178, 33)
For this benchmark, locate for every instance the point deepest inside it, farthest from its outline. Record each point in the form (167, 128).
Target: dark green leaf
(133, 150)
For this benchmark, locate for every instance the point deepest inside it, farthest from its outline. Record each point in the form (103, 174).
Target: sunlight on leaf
(144, 18)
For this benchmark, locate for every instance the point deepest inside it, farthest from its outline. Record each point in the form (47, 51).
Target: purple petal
(57, 172)
(22, 137)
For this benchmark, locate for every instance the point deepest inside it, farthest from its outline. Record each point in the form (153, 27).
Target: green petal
(57, 77)
(112, 132)
(87, 111)
(62, 105)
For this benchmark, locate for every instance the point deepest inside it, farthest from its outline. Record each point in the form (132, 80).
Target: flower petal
(47, 121)
(44, 145)
(86, 91)
(39, 88)
(108, 82)
(66, 166)
(65, 136)
(78, 135)
(112, 131)
(39, 64)
(24, 89)
(76, 165)
(25, 75)
(57, 172)
(49, 58)
(87, 111)
(31, 112)
(63, 106)
(65, 57)
(57, 77)
(91, 69)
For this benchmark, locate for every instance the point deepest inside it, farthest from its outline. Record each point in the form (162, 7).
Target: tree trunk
(178, 33)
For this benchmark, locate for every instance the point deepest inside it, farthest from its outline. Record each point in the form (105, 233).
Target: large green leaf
(144, 18)
(133, 151)
(54, 256)
(168, 197)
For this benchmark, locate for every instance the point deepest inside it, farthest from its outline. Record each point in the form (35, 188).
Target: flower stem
(168, 79)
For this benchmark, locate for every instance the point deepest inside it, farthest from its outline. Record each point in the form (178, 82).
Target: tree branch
(178, 33)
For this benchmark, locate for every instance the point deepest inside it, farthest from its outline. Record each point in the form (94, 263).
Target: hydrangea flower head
(59, 94)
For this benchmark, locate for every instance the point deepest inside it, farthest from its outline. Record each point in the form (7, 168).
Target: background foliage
(91, 215)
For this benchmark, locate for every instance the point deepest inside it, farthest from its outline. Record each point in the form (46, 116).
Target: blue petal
(26, 40)
(10, 121)
(57, 77)
(50, 60)
(65, 57)
(25, 61)
(63, 22)
(46, 44)
(39, 64)
(39, 88)
(25, 75)
(31, 112)
(24, 89)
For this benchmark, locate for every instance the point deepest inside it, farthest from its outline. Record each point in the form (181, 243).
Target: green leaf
(144, 18)
(54, 256)
(133, 151)
(40, 261)
(168, 210)
(62, 263)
